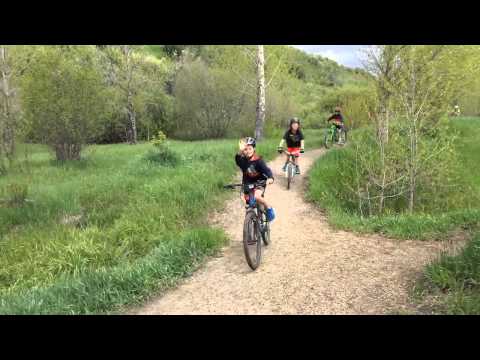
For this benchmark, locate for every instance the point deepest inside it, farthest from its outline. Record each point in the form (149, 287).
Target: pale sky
(348, 55)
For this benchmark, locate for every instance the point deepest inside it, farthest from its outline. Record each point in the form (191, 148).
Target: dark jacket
(254, 169)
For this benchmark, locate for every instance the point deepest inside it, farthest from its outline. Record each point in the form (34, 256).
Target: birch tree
(260, 110)
(9, 110)
(124, 72)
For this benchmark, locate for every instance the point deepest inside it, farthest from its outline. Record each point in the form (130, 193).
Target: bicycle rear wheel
(252, 240)
(344, 135)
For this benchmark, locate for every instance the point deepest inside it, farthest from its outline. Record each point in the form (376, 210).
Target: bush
(456, 279)
(356, 103)
(63, 98)
(14, 194)
(352, 176)
(162, 153)
(208, 101)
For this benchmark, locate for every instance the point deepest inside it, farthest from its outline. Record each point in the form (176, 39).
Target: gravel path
(308, 269)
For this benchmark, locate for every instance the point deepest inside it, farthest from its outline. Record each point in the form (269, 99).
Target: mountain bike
(256, 227)
(334, 136)
(290, 170)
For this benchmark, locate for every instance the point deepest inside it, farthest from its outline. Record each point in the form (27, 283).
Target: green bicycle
(334, 136)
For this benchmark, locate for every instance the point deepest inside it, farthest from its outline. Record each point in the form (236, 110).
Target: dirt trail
(308, 269)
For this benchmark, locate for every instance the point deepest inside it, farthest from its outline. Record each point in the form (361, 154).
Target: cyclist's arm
(281, 143)
(239, 160)
(302, 144)
(264, 169)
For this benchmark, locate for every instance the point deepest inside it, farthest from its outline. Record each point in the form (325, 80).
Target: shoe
(270, 214)
(297, 170)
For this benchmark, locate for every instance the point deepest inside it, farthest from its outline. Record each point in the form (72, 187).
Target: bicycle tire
(289, 175)
(251, 229)
(327, 138)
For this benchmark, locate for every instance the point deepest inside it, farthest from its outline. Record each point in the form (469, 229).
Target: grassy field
(322, 191)
(455, 280)
(111, 229)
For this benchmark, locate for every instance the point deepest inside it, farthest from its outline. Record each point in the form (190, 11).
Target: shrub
(208, 101)
(63, 98)
(162, 153)
(356, 103)
(14, 194)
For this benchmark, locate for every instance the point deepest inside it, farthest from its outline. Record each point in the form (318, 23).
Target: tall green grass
(109, 230)
(324, 191)
(455, 280)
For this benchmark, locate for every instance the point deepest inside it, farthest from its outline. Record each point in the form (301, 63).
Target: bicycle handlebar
(233, 186)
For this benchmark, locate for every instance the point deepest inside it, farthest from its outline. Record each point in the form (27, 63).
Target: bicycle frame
(332, 132)
(252, 202)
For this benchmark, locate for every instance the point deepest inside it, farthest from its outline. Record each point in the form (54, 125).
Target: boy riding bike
(295, 143)
(337, 119)
(254, 169)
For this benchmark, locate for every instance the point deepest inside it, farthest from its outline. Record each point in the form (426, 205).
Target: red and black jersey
(338, 117)
(254, 169)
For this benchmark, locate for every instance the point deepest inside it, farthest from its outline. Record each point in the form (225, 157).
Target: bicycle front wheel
(290, 174)
(252, 240)
(328, 139)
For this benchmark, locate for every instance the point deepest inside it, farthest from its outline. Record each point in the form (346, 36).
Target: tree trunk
(413, 165)
(131, 120)
(259, 126)
(64, 152)
(7, 128)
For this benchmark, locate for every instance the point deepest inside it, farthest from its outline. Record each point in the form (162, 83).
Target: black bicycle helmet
(294, 120)
(251, 141)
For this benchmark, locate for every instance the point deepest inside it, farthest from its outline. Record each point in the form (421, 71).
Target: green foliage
(160, 140)
(357, 102)
(334, 182)
(297, 83)
(63, 98)
(108, 289)
(162, 153)
(136, 82)
(14, 194)
(455, 280)
(208, 101)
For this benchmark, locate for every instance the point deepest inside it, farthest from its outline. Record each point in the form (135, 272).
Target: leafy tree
(133, 74)
(64, 98)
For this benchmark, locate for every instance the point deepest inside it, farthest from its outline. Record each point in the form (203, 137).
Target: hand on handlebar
(280, 150)
(270, 181)
(302, 151)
